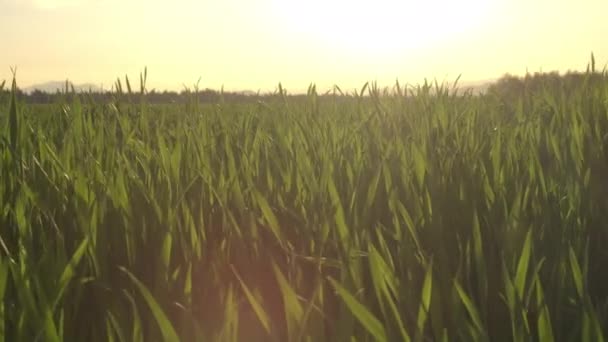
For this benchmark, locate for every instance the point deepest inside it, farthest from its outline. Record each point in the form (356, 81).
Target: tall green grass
(409, 214)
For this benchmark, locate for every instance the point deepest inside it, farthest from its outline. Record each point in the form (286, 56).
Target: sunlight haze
(254, 45)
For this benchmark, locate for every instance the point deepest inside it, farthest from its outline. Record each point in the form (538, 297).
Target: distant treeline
(155, 97)
(513, 86)
(508, 86)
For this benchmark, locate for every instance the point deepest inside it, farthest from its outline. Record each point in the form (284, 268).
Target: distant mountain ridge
(477, 87)
(53, 86)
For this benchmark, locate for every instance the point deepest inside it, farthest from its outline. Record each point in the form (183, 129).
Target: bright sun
(382, 26)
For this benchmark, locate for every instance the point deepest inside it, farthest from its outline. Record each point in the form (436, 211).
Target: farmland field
(406, 214)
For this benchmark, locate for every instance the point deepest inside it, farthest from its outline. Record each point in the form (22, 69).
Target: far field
(402, 214)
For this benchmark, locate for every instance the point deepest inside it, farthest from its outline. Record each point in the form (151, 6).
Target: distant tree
(508, 86)
(38, 96)
(511, 87)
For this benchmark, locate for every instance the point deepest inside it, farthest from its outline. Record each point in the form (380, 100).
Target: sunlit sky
(254, 45)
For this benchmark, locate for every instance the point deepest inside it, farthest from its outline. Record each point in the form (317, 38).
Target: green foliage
(417, 213)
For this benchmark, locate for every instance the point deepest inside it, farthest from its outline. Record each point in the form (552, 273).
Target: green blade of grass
(545, 329)
(115, 328)
(162, 320)
(12, 116)
(385, 286)
(366, 318)
(522, 266)
(269, 216)
(68, 272)
(255, 305)
(577, 275)
(468, 304)
(3, 282)
(136, 325)
(293, 309)
(425, 302)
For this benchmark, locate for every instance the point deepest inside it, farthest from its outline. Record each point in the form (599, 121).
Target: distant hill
(477, 87)
(53, 86)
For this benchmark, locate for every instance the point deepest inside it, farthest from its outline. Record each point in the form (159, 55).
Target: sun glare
(52, 4)
(382, 26)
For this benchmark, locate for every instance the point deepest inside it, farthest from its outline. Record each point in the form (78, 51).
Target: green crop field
(403, 214)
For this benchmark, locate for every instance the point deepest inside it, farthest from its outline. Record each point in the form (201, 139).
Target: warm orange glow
(245, 44)
(383, 27)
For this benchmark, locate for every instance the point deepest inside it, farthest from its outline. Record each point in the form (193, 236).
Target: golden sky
(246, 44)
